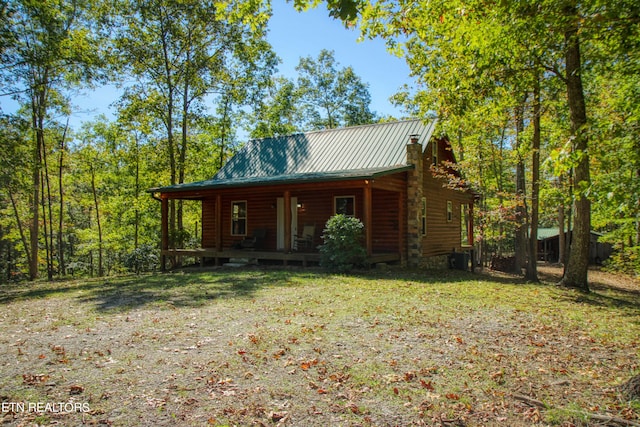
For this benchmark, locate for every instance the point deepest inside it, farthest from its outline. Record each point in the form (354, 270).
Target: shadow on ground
(198, 288)
(171, 290)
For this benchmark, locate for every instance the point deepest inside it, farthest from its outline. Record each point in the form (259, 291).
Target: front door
(294, 222)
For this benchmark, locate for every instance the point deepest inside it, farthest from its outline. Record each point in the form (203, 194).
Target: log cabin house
(272, 199)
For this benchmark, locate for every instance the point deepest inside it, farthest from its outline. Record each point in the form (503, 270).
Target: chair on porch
(307, 237)
(254, 242)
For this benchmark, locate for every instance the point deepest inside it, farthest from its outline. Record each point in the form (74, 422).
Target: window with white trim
(239, 218)
(449, 211)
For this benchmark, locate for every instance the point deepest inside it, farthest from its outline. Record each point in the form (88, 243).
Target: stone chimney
(415, 191)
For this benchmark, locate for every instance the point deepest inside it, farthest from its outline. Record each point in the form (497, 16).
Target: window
(345, 205)
(239, 218)
(449, 211)
(423, 217)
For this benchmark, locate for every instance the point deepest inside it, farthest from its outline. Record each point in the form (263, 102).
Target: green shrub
(625, 260)
(343, 247)
(142, 259)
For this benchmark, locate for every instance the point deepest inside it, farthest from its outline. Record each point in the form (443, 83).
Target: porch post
(367, 217)
(470, 226)
(164, 215)
(401, 228)
(287, 221)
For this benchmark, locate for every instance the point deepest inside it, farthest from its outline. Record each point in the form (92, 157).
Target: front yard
(304, 348)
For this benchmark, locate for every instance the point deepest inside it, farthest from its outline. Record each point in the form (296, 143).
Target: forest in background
(197, 76)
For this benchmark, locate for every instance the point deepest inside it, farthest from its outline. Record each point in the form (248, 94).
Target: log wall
(443, 236)
(316, 207)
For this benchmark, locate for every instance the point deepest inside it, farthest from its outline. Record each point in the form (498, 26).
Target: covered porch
(283, 212)
(302, 258)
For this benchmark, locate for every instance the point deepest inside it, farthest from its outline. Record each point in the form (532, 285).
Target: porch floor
(298, 256)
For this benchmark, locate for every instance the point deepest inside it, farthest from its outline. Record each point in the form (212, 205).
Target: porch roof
(298, 178)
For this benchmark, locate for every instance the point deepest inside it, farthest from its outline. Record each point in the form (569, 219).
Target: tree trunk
(95, 202)
(137, 195)
(48, 213)
(43, 203)
(532, 265)
(20, 229)
(182, 151)
(38, 124)
(61, 261)
(223, 130)
(521, 211)
(575, 275)
(170, 90)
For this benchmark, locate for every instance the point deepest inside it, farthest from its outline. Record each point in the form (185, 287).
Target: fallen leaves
(344, 350)
(76, 389)
(37, 379)
(427, 384)
(306, 365)
(278, 416)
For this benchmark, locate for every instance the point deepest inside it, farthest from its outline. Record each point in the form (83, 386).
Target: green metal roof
(547, 233)
(355, 152)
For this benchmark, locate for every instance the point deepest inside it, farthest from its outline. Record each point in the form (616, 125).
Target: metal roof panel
(320, 154)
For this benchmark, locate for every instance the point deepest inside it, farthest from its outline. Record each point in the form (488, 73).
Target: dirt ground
(297, 348)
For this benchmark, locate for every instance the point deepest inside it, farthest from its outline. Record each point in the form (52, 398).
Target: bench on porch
(254, 242)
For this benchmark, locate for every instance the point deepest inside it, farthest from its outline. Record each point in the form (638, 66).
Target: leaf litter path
(300, 348)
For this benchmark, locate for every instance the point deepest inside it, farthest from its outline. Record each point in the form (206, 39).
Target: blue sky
(301, 34)
(293, 35)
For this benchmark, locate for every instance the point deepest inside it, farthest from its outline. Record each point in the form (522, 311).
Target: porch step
(239, 262)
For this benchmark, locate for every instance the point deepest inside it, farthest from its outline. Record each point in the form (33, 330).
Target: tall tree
(332, 97)
(179, 52)
(14, 167)
(553, 36)
(277, 114)
(575, 274)
(532, 265)
(49, 52)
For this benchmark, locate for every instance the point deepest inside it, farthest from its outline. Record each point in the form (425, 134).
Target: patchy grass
(300, 347)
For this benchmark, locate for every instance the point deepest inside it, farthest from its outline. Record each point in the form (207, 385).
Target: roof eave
(284, 179)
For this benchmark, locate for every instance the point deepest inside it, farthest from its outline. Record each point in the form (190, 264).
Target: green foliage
(343, 248)
(323, 97)
(278, 114)
(201, 67)
(332, 97)
(625, 260)
(142, 259)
